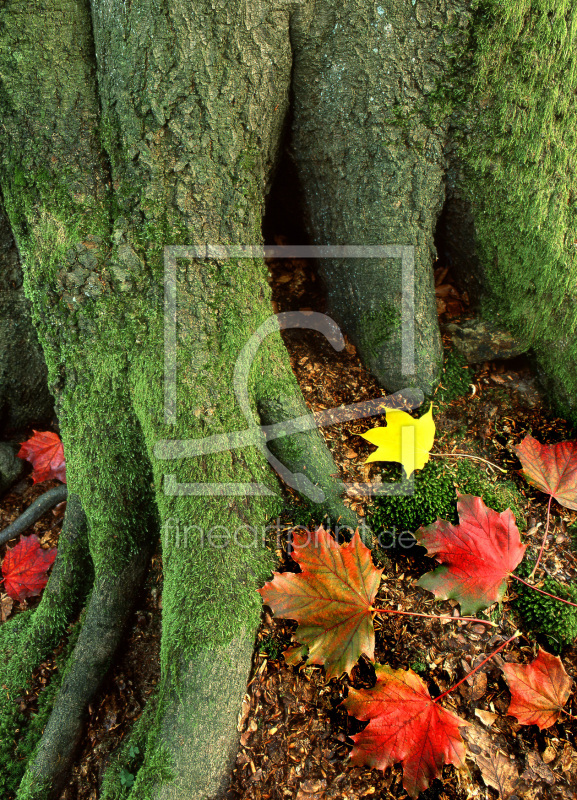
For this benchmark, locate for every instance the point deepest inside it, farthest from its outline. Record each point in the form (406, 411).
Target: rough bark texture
(372, 164)
(511, 223)
(129, 127)
(24, 396)
(176, 147)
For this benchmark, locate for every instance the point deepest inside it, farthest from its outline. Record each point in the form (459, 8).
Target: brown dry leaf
(244, 712)
(549, 754)
(479, 686)
(6, 604)
(568, 761)
(486, 717)
(537, 771)
(498, 771)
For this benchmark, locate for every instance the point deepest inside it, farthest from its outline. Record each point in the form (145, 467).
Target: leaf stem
(467, 455)
(554, 596)
(484, 661)
(544, 542)
(434, 616)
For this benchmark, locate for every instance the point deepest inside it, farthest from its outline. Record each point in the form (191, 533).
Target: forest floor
(294, 734)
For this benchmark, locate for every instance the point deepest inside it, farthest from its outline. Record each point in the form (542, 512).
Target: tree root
(33, 513)
(110, 604)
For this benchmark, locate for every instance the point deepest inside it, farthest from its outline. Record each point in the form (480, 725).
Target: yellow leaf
(405, 440)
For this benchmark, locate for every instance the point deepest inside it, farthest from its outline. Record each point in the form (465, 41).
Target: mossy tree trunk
(131, 127)
(127, 129)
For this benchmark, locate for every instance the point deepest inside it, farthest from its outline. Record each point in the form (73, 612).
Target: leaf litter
(295, 732)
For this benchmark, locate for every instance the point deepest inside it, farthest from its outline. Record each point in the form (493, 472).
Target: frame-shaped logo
(257, 434)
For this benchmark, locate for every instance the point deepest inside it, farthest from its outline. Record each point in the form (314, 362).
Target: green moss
(435, 495)
(495, 490)
(520, 157)
(556, 621)
(19, 733)
(455, 378)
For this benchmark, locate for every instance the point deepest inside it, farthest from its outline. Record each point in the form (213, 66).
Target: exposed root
(106, 616)
(33, 513)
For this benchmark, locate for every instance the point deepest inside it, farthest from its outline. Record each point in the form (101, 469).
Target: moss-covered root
(111, 601)
(307, 461)
(69, 582)
(205, 710)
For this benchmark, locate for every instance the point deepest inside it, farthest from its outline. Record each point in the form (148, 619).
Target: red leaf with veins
(551, 468)
(405, 725)
(45, 452)
(538, 690)
(25, 566)
(478, 553)
(331, 599)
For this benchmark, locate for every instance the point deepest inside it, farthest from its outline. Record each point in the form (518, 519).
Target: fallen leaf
(331, 599)
(293, 655)
(45, 452)
(549, 754)
(539, 690)
(552, 468)
(486, 717)
(479, 553)
(6, 604)
(405, 440)
(497, 769)
(25, 566)
(536, 770)
(405, 725)
(479, 686)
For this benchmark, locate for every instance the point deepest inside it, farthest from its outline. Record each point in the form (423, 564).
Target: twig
(544, 542)
(467, 455)
(530, 585)
(435, 616)
(484, 661)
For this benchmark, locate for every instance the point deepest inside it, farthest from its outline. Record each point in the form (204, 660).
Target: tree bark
(189, 108)
(128, 128)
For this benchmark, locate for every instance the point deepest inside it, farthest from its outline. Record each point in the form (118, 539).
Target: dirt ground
(294, 734)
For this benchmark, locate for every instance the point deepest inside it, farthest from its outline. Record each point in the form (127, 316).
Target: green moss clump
(555, 621)
(495, 491)
(455, 379)
(433, 496)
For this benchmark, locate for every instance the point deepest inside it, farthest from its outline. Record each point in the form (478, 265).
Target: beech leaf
(405, 440)
(552, 468)
(405, 725)
(331, 599)
(478, 554)
(25, 568)
(539, 690)
(45, 452)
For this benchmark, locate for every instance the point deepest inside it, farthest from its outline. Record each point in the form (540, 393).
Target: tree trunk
(24, 396)
(175, 148)
(130, 128)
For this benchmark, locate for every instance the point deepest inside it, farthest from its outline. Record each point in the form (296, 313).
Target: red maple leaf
(551, 468)
(479, 553)
(25, 566)
(45, 452)
(405, 725)
(331, 599)
(538, 690)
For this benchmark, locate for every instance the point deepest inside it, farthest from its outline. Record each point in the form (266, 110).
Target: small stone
(480, 340)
